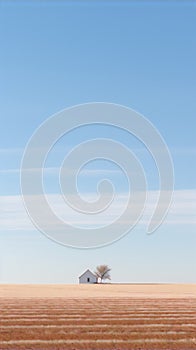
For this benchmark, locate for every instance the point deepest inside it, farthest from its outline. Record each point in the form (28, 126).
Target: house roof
(87, 271)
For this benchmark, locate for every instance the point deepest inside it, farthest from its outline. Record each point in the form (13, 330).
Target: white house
(88, 277)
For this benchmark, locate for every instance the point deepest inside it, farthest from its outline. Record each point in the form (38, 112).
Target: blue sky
(140, 54)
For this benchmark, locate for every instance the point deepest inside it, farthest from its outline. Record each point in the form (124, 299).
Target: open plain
(108, 316)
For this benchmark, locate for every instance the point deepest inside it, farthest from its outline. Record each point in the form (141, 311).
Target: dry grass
(85, 320)
(106, 291)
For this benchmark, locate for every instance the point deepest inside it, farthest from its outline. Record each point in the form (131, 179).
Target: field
(98, 317)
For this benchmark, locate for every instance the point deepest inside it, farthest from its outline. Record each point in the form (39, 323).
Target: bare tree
(103, 272)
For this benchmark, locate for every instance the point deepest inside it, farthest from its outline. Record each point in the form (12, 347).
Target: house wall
(85, 276)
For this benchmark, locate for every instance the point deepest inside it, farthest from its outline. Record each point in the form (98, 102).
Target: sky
(139, 54)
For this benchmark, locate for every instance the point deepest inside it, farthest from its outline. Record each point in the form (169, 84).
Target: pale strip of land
(98, 291)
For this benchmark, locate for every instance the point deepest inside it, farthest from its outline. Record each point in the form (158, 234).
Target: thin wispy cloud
(14, 217)
(52, 170)
(55, 171)
(9, 171)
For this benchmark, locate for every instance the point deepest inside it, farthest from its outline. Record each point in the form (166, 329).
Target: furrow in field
(62, 334)
(134, 316)
(93, 301)
(78, 322)
(106, 310)
(68, 341)
(103, 327)
(94, 318)
(97, 313)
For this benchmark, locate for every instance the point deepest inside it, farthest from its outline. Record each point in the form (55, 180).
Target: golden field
(130, 316)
